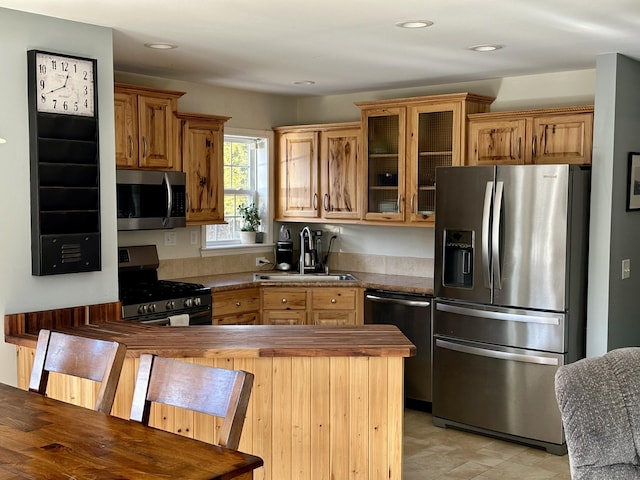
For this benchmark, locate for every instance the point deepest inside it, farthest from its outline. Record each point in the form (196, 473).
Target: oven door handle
(483, 352)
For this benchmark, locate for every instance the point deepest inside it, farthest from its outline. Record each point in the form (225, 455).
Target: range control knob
(188, 302)
(171, 305)
(142, 309)
(196, 301)
(152, 307)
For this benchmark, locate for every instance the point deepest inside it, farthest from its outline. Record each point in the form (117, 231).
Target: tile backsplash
(245, 262)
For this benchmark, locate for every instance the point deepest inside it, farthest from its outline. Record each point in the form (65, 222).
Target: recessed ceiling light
(304, 82)
(2, 140)
(485, 47)
(414, 24)
(160, 46)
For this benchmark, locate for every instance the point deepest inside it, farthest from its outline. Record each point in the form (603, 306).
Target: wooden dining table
(45, 438)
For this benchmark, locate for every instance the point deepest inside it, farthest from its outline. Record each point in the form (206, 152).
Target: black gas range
(146, 299)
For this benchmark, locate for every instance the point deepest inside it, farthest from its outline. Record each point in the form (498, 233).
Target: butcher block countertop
(398, 283)
(242, 341)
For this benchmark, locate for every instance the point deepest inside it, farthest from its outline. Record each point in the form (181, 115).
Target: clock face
(64, 84)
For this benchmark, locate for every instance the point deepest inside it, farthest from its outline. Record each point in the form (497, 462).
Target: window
(245, 181)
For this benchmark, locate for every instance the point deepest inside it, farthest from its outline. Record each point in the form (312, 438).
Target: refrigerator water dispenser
(458, 258)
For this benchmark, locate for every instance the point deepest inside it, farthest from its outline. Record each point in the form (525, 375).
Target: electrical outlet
(262, 261)
(194, 237)
(170, 239)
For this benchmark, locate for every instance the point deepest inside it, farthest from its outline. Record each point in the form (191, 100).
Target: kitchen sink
(297, 277)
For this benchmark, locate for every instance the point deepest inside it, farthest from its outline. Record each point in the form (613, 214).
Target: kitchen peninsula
(327, 402)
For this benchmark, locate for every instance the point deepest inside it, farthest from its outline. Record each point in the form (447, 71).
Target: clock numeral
(86, 90)
(42, 84)
(54, 65)
(55, 103)
(64, 66)
(42, 68)
(65, 105)
(85, 75)
(75, 106)
(43, 99)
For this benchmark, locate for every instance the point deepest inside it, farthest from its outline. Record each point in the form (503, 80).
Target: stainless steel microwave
(150, 199)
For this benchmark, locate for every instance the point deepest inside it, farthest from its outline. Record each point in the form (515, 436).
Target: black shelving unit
(65, 189)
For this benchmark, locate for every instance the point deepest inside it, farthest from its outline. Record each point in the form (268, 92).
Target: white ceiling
(353, 45)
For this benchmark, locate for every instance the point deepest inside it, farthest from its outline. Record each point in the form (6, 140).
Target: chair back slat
(97, 360)
(215, 391)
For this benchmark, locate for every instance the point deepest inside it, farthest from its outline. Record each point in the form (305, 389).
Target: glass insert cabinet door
(431, 144)
(384, 146)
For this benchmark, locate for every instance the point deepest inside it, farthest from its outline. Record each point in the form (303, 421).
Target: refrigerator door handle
(495, 236)
(486, 216)
(483, 352)
(493, 315)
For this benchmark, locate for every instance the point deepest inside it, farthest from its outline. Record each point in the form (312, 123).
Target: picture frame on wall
(633, 186)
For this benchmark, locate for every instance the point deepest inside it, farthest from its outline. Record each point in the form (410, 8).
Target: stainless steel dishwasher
(411, 313)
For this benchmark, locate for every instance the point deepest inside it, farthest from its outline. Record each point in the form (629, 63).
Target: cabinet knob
(237, 304)
(333, 300)
(284, 300)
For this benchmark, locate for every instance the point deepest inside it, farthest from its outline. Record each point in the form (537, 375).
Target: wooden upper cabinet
(556, 135)
(202, 149)
(404, 141)
(318, 172)
(563, 138)
(145, 127)
(340, 172)
(497, 143)
(126, 117)
(297, 174)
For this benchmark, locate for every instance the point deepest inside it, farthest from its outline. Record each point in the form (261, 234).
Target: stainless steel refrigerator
(510, 284)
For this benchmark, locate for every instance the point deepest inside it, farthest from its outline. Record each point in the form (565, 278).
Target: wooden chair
(214, 391)
(96, 360)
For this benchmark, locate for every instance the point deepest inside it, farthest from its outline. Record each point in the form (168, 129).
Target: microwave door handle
(495, 235)
(486, 216)
(169, 198)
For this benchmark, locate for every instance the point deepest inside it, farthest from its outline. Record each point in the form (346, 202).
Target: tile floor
(433, 453)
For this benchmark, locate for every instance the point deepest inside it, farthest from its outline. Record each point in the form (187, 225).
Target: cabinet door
(126, 129)
(333, 318)
(340, 173)
(284, 317)
(384, 161)
(155, 121)
(202, 157)
(433, 142)
(241, 319)
(563, 139)
(298, 175)
(500, 142)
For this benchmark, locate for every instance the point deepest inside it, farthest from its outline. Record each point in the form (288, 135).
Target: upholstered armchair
(599, 400)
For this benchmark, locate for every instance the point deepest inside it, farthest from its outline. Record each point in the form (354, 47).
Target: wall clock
(64, 84)
(64, 154)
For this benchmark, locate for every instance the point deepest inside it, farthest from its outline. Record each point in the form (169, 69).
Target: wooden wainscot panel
(308, 417)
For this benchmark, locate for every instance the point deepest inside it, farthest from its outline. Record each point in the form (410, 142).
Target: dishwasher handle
(398, 301)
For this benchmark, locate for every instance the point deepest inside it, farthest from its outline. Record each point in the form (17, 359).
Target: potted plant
(250, 222)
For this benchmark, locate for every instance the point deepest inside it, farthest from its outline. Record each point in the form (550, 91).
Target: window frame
(264, 177)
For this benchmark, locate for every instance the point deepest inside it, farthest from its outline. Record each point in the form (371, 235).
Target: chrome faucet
(302, 263)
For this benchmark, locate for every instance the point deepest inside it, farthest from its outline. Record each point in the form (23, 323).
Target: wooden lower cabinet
(312, 306)
(236, 307)
(308, 417)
